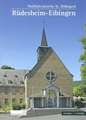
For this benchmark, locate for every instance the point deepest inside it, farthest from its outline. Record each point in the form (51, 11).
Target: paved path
(50, 117)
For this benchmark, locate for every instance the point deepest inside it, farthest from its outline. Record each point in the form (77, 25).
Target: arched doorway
(52, 98)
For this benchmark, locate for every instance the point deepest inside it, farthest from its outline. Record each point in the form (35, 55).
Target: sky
(20, 36)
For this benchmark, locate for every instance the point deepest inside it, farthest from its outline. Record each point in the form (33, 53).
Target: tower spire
(44, 40)
(43, 48)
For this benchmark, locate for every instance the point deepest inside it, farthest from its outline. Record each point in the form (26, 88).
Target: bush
(6, 108)
(16, 106)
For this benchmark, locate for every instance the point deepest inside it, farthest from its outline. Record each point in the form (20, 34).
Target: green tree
(77, 91)
(7, 67)
(83, 59)
(83, 67)
(80, 90)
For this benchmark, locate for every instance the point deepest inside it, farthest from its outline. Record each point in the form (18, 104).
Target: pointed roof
(44, 40)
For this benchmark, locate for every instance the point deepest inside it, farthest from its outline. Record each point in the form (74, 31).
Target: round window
(50, 76)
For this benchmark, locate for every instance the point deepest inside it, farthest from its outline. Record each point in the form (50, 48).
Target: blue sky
(21, 36)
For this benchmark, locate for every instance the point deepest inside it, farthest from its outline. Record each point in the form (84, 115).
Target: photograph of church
(47, 84)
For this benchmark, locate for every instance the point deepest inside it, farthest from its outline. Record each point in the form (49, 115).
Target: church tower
(43, 48)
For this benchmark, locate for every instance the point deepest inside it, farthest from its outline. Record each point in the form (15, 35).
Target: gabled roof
(42, 61)
(46, 52)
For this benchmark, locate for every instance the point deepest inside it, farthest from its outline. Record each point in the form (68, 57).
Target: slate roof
(12, 77)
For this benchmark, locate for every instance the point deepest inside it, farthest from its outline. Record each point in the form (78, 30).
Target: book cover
(40, 50)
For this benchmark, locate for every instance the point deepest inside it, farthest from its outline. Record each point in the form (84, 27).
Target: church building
(49, 82)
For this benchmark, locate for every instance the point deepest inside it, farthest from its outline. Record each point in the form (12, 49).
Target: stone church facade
(47, 84)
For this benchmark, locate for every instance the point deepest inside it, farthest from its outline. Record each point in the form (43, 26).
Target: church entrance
(51, 99)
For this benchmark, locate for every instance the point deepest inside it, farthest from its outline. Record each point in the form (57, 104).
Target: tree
(83, 60)
(79, 90)
(7, 67)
